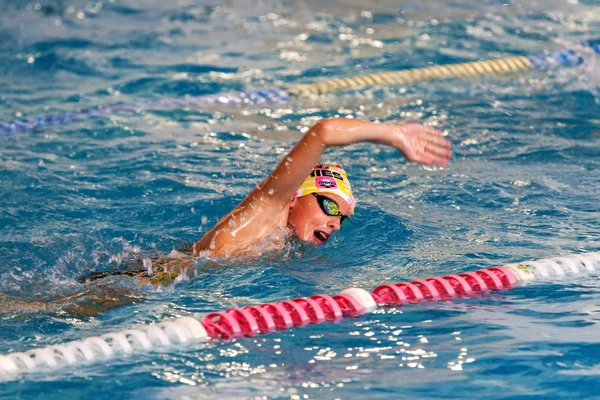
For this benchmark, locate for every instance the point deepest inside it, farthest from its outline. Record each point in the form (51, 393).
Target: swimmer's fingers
(436, 137)
(422, 144)
(436, 148)
(439, 153)
(425, 156)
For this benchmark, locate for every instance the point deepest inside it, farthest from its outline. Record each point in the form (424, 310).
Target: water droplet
(148, 265)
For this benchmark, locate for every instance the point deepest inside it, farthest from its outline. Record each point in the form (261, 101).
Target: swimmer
(300, 199)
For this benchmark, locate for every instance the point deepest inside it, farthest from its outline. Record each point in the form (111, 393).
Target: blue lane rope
(565, 58)
(250, 97)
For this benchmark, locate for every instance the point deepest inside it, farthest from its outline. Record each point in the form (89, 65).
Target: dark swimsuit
(94, 276)
(136, 270)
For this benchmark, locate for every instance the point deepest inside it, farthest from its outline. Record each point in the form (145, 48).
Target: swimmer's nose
(334, 224)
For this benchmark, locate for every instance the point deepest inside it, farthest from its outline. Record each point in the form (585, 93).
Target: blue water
(91, 196)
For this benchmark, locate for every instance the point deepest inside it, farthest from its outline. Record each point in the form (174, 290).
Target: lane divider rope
(564, 58)
(287, 314)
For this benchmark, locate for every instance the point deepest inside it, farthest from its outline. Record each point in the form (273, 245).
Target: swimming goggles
(331, 208)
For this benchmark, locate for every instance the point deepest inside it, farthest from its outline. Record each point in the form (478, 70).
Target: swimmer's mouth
(321, 236)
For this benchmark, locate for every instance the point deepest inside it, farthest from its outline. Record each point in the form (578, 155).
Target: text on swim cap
(326, 172)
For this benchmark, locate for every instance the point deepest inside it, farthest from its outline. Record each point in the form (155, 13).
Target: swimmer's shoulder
(230, 238)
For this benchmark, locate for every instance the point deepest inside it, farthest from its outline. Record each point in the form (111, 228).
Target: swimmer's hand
(419, 143)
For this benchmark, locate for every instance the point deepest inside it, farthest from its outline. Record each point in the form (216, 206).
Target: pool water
(95, 194)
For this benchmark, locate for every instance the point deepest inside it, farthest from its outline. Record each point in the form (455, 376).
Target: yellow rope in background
(476, 68)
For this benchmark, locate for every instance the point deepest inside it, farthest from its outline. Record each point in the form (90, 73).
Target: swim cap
(328, 178)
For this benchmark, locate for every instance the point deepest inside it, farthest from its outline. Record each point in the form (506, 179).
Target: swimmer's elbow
(325, 123)
(325, 130)
(340, 131)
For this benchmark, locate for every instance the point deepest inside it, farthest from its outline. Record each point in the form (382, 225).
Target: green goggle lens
(331, 208)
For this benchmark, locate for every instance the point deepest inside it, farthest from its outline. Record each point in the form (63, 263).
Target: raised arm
(417, 142)
(265, 206)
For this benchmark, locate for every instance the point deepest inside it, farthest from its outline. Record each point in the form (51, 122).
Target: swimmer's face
(309, 220)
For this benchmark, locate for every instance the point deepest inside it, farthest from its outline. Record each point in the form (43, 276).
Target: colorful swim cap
(328, 178)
